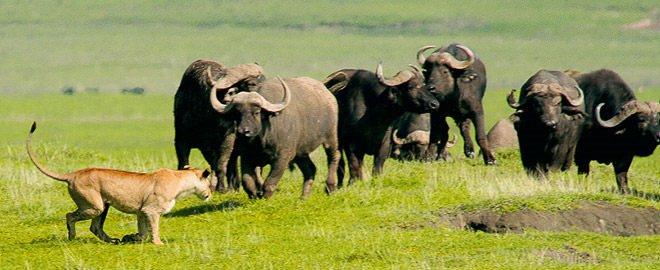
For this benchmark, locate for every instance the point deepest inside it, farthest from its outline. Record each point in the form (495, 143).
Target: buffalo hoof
(329, 189)
(470, 154)
(445, 156)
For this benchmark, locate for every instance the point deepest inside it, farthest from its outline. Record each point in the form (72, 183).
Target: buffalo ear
(206, 173)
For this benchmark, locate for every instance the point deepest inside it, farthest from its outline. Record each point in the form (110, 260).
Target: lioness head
(203, 187)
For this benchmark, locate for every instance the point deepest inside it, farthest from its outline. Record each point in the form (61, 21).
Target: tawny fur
(147, 195)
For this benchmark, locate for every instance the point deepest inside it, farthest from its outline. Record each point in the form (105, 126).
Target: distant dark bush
(134, 91)
(91, 90)
(68, 90)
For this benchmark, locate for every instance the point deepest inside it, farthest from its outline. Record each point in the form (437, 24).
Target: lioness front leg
(143, 230)
(154, 219)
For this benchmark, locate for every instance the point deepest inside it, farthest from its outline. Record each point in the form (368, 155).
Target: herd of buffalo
(559, 118)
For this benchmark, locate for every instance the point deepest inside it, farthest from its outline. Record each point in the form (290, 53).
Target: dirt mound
(600, 217)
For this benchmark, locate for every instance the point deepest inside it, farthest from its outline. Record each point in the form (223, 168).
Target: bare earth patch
(600, 217)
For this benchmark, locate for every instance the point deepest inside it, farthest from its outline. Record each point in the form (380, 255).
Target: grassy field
(386, 222)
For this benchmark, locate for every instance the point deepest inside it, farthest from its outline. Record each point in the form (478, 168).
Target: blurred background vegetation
(112, 44)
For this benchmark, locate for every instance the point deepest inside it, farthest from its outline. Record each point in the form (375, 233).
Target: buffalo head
(252, 108)
(407, 90)
(639, 119)
(440, 68)
(547, 102)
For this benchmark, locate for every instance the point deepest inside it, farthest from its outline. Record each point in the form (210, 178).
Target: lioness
(148, 195)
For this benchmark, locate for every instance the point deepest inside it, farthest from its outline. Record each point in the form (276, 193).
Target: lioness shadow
(200, 209)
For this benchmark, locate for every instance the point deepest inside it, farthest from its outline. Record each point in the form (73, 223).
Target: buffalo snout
(551, 124)
(433, 105)
(246, 132)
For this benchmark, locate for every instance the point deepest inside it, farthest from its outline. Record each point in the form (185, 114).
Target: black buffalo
(620, 126)
(457, 78)
(277, 134)
(548, 120)
(368, 104)
(197, 125)
(411, 135)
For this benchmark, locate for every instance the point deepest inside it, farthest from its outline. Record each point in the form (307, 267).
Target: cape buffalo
(549, 120)
(620, 126)
(197, 125)
(457, 78)
(276, 134)
(411, 137)
(368, 104)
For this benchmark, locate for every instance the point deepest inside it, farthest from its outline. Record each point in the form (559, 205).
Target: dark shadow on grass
(645, 195)
(651, 196)
(201, 209)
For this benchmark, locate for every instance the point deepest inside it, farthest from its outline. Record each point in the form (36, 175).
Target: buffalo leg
(382, 154)
(333, 155)
(233, 181)
(249, 173)
(277, 169)
(182, 154)
(341, 169)
(439, 138)
(482, 140)
(468, 147)
(309, 172)
(212, 157)
(621, 167)
(224, 156)
(355, 160)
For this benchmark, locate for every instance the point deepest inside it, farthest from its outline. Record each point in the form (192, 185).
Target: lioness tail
(36, 163)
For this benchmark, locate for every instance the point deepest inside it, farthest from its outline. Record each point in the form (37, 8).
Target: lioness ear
(206, 174)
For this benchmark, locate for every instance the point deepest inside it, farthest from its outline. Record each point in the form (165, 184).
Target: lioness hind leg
(78, 215)
(97, 226)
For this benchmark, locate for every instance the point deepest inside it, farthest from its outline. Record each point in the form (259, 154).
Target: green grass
(373, 224)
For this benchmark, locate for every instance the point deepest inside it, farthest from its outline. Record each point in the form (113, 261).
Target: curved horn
(209, 76)
(451, 143)
(420, 54)
(511, 100)
(418, 72)
(401, 77)
(655, 106)
(626, 111)
(217, 105)
(239, 73)
(577, 101)
(397, 140)
(449, 59)
(266, 105)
